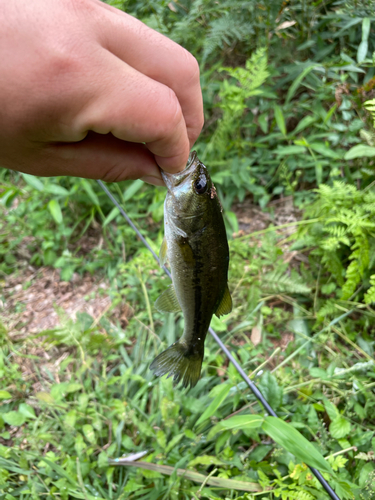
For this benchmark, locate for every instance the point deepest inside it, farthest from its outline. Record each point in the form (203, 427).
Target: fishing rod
(254, 389)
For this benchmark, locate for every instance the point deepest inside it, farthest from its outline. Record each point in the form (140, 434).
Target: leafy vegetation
(289, 102)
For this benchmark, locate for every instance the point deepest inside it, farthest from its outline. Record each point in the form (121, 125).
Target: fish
(196, 246)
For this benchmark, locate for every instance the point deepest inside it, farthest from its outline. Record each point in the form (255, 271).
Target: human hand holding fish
(87, 90)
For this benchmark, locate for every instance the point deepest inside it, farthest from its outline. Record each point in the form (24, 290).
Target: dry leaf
(256, 335)
(286, 24)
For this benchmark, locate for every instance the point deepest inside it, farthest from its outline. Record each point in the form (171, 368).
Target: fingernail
(156, 181)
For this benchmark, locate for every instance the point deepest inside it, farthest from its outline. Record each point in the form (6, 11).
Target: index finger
(163, 60)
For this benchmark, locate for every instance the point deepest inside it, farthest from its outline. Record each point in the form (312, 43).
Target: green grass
(62, 422)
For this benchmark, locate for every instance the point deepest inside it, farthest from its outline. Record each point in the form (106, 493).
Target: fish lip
(173, 180)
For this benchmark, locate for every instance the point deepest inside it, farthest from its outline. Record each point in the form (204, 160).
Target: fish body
(196, 246)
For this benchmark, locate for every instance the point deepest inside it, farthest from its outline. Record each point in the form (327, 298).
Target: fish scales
(196, 246)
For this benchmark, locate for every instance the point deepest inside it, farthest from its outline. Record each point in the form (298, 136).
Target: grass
(95, 399)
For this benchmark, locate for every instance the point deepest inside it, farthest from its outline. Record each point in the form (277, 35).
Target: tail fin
(179, 363)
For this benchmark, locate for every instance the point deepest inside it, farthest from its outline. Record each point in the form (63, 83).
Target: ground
(33, 308)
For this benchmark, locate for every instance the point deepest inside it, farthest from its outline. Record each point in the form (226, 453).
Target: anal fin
(225, 305)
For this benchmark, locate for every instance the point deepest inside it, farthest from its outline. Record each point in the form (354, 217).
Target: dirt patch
(252, 219)
(29, 307)
(284, 212)
(283, 341)
(31, 300)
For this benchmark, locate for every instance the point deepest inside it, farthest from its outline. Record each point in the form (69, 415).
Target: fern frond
(370, 197)
(277, 282)
(336, 231)
(225, 30)
(370, 106)
(329, 309)
(333, 263)
(333, 199)
(347, 223)
(370, 294)
(334, 243)
(360, 259)
(233, 98)
(254, 74)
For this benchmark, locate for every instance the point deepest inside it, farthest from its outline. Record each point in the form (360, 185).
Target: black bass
(195, 243)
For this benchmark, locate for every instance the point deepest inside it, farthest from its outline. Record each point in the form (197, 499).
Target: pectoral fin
(163, 253)
(186, 251)
(225, 305)
(167, 301)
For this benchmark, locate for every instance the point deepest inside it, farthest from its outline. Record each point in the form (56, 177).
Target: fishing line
(254, 389)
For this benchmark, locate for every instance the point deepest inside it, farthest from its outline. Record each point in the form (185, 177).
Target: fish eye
(200, 185)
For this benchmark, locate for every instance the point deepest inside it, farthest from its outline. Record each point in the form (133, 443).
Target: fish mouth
(173, 180)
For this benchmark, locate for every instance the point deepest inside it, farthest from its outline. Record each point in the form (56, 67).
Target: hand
(87, 90)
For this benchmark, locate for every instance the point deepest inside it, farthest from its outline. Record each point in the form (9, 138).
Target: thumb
(102, 157)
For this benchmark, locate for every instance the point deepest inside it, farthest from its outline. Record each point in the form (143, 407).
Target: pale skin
(89, 91)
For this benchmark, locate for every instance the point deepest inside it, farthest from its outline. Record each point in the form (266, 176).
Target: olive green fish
(196, 246)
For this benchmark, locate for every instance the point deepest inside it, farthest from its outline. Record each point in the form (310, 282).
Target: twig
(206, 480)
(341, 452)
(276, 351)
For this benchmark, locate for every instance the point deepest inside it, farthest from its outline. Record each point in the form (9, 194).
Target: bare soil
(37, 295)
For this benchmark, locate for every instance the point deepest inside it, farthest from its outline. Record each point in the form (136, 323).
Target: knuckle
(189, 69)
(82, 7)
(199, 124)
(62, 64)
(170, 114)
(116, 173)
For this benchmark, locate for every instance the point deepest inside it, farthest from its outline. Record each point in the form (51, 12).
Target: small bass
(195, 243)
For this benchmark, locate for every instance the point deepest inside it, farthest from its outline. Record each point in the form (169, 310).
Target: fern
(370, 106)
(219, 25)
(356, 269)
(344, 236)
(233, 97)
(332, 262)
(329, 309)
(278, 282)
(369, 138)
(225, 30)
(370, 294)
(253, 75)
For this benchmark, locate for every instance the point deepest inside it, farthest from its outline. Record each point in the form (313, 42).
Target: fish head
(190, 191)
